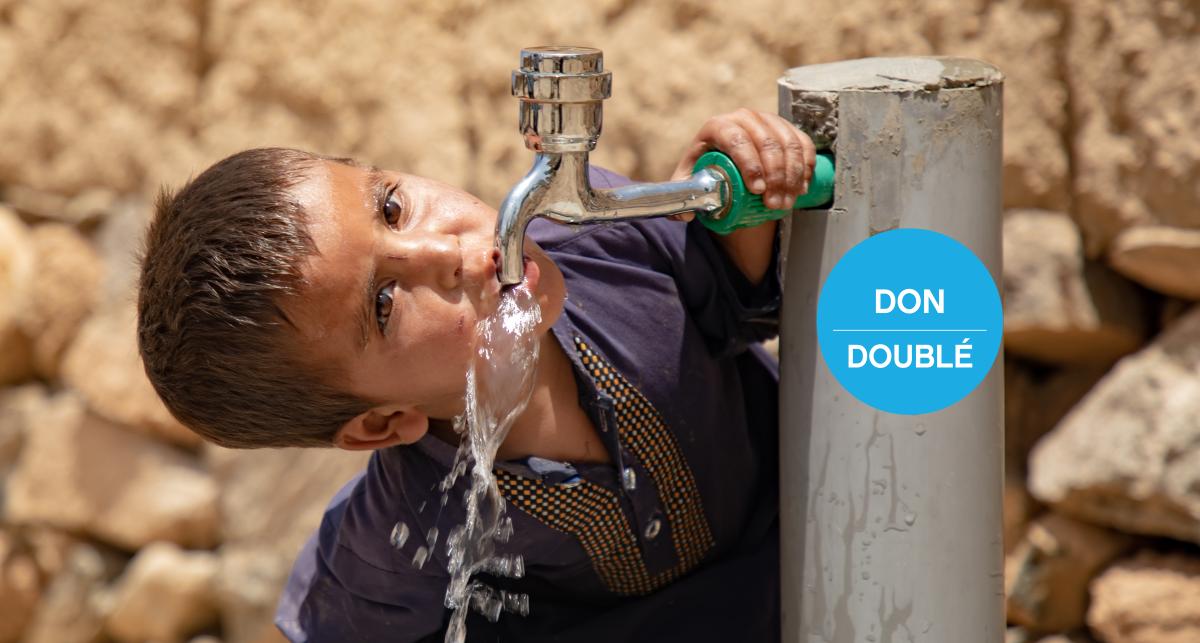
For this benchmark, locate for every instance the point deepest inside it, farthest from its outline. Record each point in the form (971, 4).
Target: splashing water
(499, 383)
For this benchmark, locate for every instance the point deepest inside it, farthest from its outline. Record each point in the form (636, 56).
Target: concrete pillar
(891, 524)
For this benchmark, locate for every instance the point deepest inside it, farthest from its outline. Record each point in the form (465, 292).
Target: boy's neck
(553, 425)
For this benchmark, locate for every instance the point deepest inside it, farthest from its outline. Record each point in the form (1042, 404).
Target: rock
(118, 240)
(66, 279)
(1059, 307)
(113, 89)
(248, 587)
(1036, 398)
(17, 260)
(1017, 635)
(1161, 258)
(20, 586)
(1153, 598)
(1136, 158)
(157, 92)
(80, 472)
(1018, 507)
(1021, 635)
(73, 608)
(165, 595)
(38, 206)
(271, 501)
(16, 405)
(1047, 573)
(1127, 455)
(50, 549)
(104, 366)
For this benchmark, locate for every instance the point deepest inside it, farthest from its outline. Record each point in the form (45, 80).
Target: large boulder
(271, 501)
(1127, 455)
(80, 472)
(1060, 307)
(104, 366)
(20, 585)
(17, 260)
(164, 595)
(1162, 258)
(1047, 574)
(1153, 598)
(75, 604)
(66, 279)
(1136, 159)
(17, 406)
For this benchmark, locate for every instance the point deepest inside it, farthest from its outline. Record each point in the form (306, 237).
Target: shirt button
(629, 479)
(652, 529)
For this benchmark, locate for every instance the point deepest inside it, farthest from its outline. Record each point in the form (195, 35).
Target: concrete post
(891, 524)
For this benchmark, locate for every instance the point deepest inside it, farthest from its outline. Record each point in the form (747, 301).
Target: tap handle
(747, 209)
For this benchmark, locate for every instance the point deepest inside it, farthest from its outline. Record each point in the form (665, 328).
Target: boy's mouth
(532, 272)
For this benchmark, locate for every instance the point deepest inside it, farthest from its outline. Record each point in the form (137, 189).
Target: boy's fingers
(810, 155)
(796, 162)
(685, 216)
(770, 152)
(734, 140)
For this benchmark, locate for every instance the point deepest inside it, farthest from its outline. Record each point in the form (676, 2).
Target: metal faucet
(561, 90)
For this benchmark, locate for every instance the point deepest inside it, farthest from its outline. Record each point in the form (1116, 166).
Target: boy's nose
(428, 260)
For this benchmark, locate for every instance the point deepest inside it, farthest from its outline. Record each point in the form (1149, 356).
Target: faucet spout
(558, 188)
(516, 211)
(561, 91)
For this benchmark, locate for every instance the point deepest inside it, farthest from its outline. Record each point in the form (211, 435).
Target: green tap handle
(747, 209)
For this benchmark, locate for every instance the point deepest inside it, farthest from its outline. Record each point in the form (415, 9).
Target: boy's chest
(666, 502)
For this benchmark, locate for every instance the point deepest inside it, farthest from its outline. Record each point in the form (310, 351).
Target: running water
(499, 383)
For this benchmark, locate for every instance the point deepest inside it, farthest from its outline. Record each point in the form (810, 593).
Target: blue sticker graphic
(909, 321)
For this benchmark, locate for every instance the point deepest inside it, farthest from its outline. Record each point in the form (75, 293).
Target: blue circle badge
(909, 321)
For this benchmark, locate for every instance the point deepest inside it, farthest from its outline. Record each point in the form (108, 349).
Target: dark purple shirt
(676, 539)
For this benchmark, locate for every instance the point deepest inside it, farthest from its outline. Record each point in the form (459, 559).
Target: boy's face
(404, 267)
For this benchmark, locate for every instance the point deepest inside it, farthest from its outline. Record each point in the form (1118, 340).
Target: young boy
(289, 299)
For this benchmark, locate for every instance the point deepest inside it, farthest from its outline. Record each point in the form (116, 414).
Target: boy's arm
(776, 161)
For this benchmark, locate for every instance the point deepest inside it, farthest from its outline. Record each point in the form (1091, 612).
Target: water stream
(499, 383)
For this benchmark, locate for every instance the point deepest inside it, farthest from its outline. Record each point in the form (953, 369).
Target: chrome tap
(561, 90)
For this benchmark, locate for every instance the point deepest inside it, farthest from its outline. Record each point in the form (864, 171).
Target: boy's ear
(382, 427)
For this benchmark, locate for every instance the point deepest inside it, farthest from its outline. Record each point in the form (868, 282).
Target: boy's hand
(776, 159)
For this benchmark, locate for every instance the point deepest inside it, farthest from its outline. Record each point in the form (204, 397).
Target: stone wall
(117, 524)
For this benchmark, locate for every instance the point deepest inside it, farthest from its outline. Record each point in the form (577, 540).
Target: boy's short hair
(219, 257)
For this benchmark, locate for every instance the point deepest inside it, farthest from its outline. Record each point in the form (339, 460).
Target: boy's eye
(393, 207)
(383, 307)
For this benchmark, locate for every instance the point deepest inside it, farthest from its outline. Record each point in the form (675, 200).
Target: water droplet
(420, 557)
(431, 537)
(492, 607)
(866, 575)
(505, 530)
(919, 429)
(421, 509)
(910, 518)
(399, 535)
(515, 603)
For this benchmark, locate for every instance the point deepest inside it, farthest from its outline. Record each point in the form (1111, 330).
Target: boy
(294, 300)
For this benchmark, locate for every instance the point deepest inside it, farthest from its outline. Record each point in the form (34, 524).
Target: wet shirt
(675, 539)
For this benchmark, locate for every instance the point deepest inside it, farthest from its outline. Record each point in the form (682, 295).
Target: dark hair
(219, 256)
